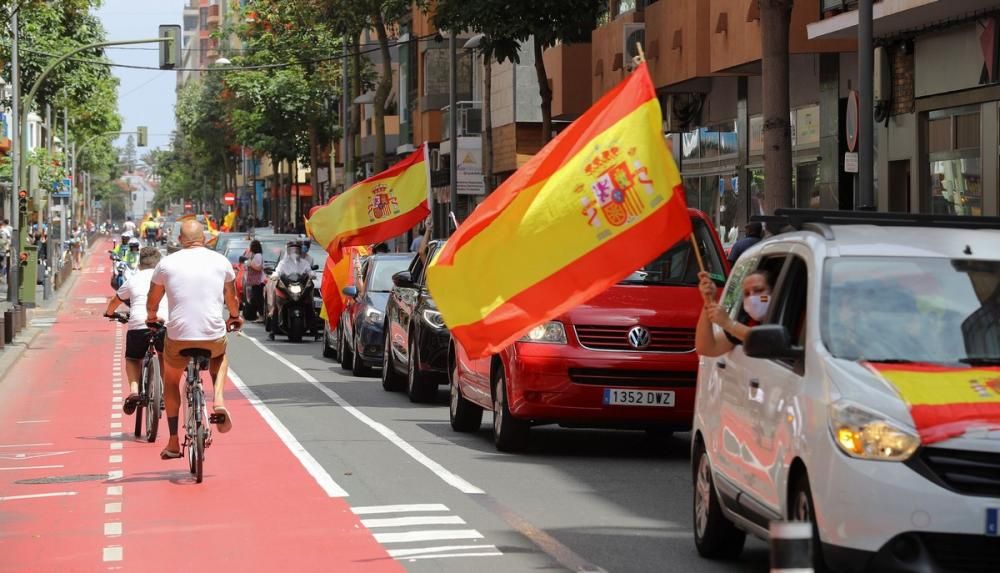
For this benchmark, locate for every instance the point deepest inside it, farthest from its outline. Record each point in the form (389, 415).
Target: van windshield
(912, 310)
(678, 265)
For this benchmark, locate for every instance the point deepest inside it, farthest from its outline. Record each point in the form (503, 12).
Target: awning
(893, 17)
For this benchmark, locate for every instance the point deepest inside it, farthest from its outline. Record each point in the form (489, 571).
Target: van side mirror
(403, 279)
(771, 342)
(350, 291)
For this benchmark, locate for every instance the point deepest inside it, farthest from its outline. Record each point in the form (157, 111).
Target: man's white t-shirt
(194, 280)
(129, 227)
(135, 291)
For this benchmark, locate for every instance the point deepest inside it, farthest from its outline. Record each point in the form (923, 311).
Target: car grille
(966, 553)
(636, 378)
(616, 338)
(973, 473)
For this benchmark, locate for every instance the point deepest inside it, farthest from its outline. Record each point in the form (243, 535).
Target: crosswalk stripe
(449, 555)
(440, 549)
(380, 509)
(429, 535)
(410, 521)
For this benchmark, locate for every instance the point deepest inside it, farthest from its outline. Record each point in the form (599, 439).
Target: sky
(145, 97)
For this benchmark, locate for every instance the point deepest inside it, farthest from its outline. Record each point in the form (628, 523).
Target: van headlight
(433, 318)
(549, 333)
(866, 434)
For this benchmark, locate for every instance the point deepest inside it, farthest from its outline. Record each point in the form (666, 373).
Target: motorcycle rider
(131, 255)
(291, 264)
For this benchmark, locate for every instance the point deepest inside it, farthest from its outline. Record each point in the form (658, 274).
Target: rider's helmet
(133, 245)
(293, 250)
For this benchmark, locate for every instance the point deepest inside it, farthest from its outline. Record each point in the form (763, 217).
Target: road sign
(852, 120)
(851, 162)
(229, 198)
(188, 206)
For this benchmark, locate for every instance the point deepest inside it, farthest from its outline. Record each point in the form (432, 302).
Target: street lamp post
(15, 239)
(452, 127)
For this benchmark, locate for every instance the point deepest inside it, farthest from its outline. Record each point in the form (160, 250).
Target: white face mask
(756, 306)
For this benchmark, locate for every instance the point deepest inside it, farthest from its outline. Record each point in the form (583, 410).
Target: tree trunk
(775, 18)
(356, 93)
(488, 122)
(381, 91)
(314, 161)
(545, 91)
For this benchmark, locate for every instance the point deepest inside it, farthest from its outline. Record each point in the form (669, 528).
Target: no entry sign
(229, 198)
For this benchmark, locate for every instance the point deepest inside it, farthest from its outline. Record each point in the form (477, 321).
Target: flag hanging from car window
(600, 200)
(339, 273)
(381, 207)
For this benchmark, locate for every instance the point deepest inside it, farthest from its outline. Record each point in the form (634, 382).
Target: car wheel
(360, 368)
(801, 508)
(328, 351)
(390, 378)
(346, 356)
(510, 434)
(715, 536)
(419, 386)
(463, 414)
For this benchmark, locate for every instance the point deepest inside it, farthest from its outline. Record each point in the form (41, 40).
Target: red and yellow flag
(599, 201)
(211, 226)
(338, 274)
(380, 207)
(229, 221)
(945, 402)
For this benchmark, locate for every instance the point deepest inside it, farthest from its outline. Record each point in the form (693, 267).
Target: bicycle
(151, 386)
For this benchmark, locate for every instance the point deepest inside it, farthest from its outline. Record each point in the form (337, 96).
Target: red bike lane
(79, 493)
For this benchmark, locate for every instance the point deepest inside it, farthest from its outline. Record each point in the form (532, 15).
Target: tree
(128, 155)
(775, 19)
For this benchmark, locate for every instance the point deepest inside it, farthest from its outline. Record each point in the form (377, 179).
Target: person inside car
(711, 341)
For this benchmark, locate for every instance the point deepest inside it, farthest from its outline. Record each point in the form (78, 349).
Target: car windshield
(384, 269)
(678, 266)
(912, 310)
(273, 250)
(235, 250)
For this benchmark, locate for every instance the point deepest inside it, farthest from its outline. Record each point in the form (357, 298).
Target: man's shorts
(136, 343)
(172, 353)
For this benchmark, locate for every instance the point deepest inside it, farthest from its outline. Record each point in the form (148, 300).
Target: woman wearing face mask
(713, 342)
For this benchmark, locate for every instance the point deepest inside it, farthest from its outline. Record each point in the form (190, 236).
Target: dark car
(359, 335)
(416, 341)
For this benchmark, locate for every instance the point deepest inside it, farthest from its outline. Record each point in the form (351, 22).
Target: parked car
(359, 337)
(416, 339)
(235, 252)
(815, 416)
(625, 359)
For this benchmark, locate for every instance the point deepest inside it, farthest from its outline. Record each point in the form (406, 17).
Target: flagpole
(691, 237)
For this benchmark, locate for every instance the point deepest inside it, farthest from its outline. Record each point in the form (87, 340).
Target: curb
(13, 351)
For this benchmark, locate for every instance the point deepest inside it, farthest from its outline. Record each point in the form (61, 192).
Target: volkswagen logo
(638, 337)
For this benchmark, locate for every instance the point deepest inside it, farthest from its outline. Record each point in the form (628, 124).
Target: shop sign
(470, 166)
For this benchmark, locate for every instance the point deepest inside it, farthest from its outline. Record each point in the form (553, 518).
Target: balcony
(678, 41)
(610, 57)
(839, 18)
(213, 17)
(470, 119)
(568, 67)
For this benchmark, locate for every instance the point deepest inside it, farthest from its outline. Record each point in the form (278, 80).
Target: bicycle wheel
(140, 405)
(199, 446)
(154, 391)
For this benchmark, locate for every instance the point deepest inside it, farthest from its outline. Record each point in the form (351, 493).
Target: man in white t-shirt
(200, 286)
(134, 293)
(129, 226)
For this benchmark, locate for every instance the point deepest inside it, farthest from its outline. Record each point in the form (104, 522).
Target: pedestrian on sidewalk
(134, 294)
(6, 235)
(200, 285)
(754, 234)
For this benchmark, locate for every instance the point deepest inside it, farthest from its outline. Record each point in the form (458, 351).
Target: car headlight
(549, 333)
(865, 434)
(295, 289)
(373, 316)
(433, 318)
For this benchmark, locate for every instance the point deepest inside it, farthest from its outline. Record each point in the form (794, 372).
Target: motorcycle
(120, 270)
(293, 307)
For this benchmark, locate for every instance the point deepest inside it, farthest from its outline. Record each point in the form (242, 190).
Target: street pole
(346, 120)
(866, 67)
(453, 129)
(67, 157)
(15, 216)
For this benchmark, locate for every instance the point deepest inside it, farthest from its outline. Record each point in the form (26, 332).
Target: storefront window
(953, 147)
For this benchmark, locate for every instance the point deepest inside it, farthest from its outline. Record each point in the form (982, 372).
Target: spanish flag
(229, 221)
(944, 401)
(380, 207)
(337, 275)
(599, 201)
(210, 224)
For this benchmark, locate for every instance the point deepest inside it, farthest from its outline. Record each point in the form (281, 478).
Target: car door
(405, 299)
(775, 386)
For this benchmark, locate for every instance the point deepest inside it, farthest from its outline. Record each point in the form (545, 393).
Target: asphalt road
(577, 500)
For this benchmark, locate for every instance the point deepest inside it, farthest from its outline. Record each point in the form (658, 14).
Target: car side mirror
(771, 342)
(403, 279)
(350, 291)
(315, 267)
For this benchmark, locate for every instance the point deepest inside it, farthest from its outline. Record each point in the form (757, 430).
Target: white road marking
(95, 300)
(441, 549)
(32, 421)
(116, 434)
(114, 459)
(116, 416)
(116, 445)
(114, 490)
(410, 521)
(116, 400)
(116, 425)
(428, 535)
(315, 469)
(113, 553)
(38, 495)
(30, 456)
(447, 476)
(26, 445)
(113, 528)
(449, 555)
(381, 509)
(113, 507)
(29, 468)
(115, 474)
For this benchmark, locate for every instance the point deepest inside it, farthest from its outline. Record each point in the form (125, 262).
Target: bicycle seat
(197, 353)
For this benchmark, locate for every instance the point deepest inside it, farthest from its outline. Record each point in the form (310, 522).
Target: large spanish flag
(380, 207)
(945, 402)
(598, 202)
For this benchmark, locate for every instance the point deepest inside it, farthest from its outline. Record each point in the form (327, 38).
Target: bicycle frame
(196, 431)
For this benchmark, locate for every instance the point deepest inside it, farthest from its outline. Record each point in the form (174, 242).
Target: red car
(625, 359)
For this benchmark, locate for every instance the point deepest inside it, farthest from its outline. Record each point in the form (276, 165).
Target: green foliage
(50, 168)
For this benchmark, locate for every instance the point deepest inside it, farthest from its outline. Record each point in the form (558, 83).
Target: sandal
(166, 454)
(222, 418)
(130, 404)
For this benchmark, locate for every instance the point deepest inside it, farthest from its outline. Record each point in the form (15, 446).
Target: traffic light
(22, 202)
(170, 51)
(143, 138)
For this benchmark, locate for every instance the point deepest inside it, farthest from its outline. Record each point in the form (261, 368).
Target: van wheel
(510, 434)
(463, 414)
(801, 508)
(714, 535)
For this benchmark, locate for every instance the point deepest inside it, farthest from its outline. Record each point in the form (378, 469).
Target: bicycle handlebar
(122, 318)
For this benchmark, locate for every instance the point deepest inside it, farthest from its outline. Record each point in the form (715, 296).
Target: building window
(955, 173)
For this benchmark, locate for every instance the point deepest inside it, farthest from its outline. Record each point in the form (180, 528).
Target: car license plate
(618, 397)
(992, 519)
